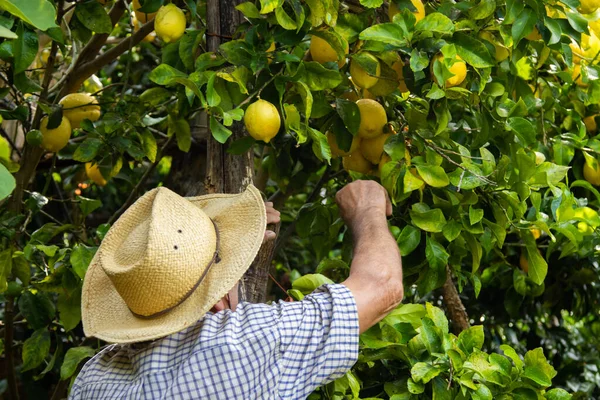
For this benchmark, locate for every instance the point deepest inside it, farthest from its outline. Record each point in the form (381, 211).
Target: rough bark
(454, 306)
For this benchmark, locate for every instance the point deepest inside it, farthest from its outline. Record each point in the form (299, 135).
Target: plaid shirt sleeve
(319, 339)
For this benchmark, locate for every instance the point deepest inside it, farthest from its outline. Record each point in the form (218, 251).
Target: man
(168, 261)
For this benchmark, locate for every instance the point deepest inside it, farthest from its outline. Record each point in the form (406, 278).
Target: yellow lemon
(361, 77)
(262, 120)
(336, 151)
(588, 6)
(270, 51)
(501, 51)
(55, 139)
(170, 23)
(539, 158)
(397, 66)
(592, 175)
(577, 77)
(322, 52)
(595, 26)
(372, 118)
(356, 162)
(80, 106)
(534, 35)
(419, 13)
(536, 233)
(93, 172)
(523, 262)
(459, 69)
(372, 149)
(590, 124)
(136, 27)
(141, 16)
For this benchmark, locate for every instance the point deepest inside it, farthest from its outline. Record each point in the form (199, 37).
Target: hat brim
(241, 220)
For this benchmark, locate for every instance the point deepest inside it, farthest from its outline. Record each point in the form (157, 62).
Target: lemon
(93, 172)
(141, 16)
(270, 50)
(169, 23)
(536, 233)
(372, 149)
(34, 137)
(322, 52)
(595, 26)
(539, 158)
(336, 151)
(419, 13)
(262, 120)
(590, 124)
(356, 162)
(372, 118)
(523, 263)
(589, 47)
(80, 106)
(361, 77)
(534, 35)
(501, 51)
(136, 27)
(577, 77)
(458, 68)
(55, 139)
(588, 6)
(592, 175)
(397, 66)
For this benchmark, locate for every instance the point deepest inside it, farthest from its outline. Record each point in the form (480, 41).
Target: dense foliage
(481, 121)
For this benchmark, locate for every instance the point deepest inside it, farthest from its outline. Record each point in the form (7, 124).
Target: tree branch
(454, 306)
(13, 392)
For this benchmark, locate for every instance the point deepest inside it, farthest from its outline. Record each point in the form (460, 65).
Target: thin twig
(142, 181)
(257, 93)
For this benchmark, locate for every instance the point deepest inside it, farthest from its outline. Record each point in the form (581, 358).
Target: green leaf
(148, 144)
(320, 146)
(537, 368)
(317, 77)
(93, 16)
(430, 221)
(284, 20)
(557, 394)
(413, 387)
(408, 240)
(523, 25)
(248, 9)
(471, 338)
(37, 309)
(538, 268)
(267, 6)
(164, 74)
(7, 33)
(472, 51)
(6, 261)
(25, 48)
(524, 129)
(512, 354)
(452, 230)
(308, 283)
(424, 372)
(7, 182)
(21, 269)
(69, 309)
(181, 129)
(435, 22)
(484, 9)
(218, 130)
(350, 114)
(437, 316)
(371, 3)
(436, 254)
(73, 358)
(433, 175)
(430, 335)
(389, 33)
(81, 257)
(87, 150)
(39, 13)
(35, 349)
(88, 206)
(475, 215)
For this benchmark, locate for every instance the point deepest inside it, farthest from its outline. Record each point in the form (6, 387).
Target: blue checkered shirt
(260, 351)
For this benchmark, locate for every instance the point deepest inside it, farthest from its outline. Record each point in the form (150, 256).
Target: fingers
(273, 216)
(269, 235)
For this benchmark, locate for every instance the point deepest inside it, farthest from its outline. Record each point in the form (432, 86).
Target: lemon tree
(479, 118)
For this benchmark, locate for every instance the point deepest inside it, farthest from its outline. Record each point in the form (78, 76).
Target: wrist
(368, 223)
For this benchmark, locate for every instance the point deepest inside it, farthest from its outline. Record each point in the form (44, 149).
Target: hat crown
(164, 246)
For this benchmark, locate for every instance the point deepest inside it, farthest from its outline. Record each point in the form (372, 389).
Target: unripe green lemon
(34, 137)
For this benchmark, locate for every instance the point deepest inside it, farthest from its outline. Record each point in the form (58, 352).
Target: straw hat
(167, 261)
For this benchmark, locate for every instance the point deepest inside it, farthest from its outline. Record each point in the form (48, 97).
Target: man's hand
(272, 218)
(362, 201)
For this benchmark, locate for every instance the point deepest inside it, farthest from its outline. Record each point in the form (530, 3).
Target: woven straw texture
(157, 251)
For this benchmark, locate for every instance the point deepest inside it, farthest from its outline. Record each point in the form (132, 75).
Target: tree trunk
(454, 306)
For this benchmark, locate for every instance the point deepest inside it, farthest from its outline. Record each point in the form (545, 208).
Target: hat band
(214, 260)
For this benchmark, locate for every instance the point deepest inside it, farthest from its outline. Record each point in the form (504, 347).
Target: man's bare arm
(376, 272)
